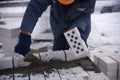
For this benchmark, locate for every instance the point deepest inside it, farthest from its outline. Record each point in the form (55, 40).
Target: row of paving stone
(18, 61)
(76, 73)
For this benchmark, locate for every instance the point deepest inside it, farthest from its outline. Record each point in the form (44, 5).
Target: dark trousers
(60, 43)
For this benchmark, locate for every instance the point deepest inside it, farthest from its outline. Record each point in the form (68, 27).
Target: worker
(63, 15)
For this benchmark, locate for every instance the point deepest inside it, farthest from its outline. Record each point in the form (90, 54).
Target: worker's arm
(33, 12)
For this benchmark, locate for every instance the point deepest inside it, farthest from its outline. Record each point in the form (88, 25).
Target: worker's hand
(23, 46)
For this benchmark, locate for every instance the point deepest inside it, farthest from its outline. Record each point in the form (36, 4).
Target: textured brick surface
(55, 55)
(76, 43)
(6, 63)
(108, 63)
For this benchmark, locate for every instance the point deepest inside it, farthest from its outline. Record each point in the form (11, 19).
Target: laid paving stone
(52, 75)
(9, 32)
(21, 76)
(108, 63)
(79, 72)
(73, 79)
(6, 62)
(38, 76)
(38, 47)
(99, 77)
(6, 77)
(43, 37)
(113, 78)
(19, 62)
(52, 55)
(69, 55)
(7, 40)
(66, 73)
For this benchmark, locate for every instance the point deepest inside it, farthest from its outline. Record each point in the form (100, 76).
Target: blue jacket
(61, 17)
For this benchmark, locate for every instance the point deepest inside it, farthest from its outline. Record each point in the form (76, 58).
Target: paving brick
(97, 56)
(38, 47)
(108, 63)
(66, 73)
(113, 78)
(116, 57)
(76, 43)
(9, 47)
(109, 73)
(38, 76)
(73, 79)
(98, 77)
(9, 32)
(54, 55)
(52, 76)
(6, 62)
(6, 77)
(83, 78)
(8, 40)
(43, 37)
(19, 62)
(21, 76)
(10, 53)
(70, 55)
(79, 72)
(92, 73)
(37, 55)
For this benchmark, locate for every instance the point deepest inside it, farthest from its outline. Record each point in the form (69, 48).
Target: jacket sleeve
(34, 10)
